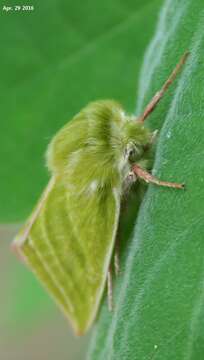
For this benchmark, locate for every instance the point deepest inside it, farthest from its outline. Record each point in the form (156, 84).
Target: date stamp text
(15, 8)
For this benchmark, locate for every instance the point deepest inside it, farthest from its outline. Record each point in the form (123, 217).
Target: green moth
(69, 239)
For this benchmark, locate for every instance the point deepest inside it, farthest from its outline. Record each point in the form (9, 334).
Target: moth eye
(132, 154)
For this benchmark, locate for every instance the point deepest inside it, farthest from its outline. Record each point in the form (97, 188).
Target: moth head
(137, 140)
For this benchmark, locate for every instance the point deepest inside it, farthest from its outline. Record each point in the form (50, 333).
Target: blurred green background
(54, 60)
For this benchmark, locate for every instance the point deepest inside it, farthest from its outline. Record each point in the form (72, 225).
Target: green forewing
(69, 248)
(69, 238)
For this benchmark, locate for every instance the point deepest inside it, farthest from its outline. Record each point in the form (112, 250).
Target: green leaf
(55, 60)
(159, 298)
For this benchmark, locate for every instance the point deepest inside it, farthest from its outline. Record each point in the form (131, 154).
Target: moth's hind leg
(116, 253)
(116, 265)
(129, 181)
(117, 256)
(110, 288)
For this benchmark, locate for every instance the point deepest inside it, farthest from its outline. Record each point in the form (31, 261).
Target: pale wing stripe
(82, 258)
(80, 245)
(42, 273)
(51, 274)
(21, 239)
(55, 258)
(69, 280)
(32, 259)
(77, 245)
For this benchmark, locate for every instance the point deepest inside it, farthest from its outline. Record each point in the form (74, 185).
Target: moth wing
(68, 242)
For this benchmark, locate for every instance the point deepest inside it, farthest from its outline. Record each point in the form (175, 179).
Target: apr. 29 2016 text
(7, 8)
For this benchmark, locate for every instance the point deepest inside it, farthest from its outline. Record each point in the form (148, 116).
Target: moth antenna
(157, 97)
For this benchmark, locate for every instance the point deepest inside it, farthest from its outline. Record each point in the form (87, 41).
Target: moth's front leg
(149, 178)
(132, 176)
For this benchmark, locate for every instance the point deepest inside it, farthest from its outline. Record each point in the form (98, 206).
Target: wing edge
(107, 263)
(20, 239)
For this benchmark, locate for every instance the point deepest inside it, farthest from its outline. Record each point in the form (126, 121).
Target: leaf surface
(159, 298)
(55, 60)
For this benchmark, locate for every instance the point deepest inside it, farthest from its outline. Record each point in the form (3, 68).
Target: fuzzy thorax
(100, 142)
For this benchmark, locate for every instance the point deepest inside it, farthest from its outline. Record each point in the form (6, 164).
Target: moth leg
(110, 288)
(116, 256)
(130, 180)
(157, 97)
(149, 178)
